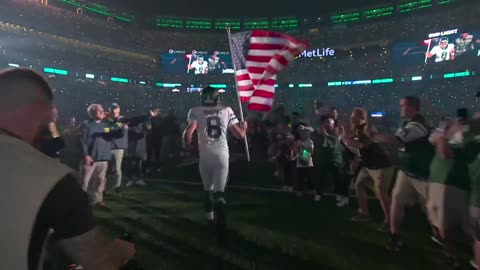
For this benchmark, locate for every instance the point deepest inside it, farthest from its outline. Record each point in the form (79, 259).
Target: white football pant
(214, 170)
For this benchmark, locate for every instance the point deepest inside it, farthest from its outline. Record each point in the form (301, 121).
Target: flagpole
(189, 63)
(428, 50)
(245, 140)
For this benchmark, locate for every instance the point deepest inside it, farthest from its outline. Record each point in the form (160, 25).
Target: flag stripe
(268, 40)
(264, 33)
(258, 107)
(264, 94)
(269, 53)
(249, 87)
(267, 47)
(254, 58)
(244, 82)
(256, 64)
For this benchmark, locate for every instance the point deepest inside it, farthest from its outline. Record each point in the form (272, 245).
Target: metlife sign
(325, 52)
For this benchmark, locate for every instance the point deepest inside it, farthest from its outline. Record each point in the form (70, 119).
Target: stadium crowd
(323, 153)
(321, 139)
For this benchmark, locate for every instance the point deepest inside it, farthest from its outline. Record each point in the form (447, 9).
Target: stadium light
(90, 76)
(142, 82)
(362, 82)
(175, 90)
(291, 85)
(120, 80)
(387, 80)
(221, 91)
(55, 71)
(417, 78)
(377, 114)
(305, 85)
(334, 83)
(218, 85)
(168, 84)
(13, 65)
(462, 74)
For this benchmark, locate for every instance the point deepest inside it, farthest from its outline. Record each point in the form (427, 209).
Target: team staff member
(118, 144)
(415, 154)
(375, 165)
(96, 139)
(39, 193)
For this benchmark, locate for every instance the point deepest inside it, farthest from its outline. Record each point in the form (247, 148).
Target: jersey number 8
(213, 127)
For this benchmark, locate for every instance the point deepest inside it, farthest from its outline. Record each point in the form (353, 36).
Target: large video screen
(439, 47)
(196, 62)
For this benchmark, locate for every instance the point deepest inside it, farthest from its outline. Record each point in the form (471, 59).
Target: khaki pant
(94, 179)
(117, 162)
(475, 222)
(407, 191)
(447, 206)
(381, 179)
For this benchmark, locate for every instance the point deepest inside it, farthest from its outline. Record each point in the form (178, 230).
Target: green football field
(266, 230)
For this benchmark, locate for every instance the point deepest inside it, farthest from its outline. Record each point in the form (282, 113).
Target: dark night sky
(241, 8)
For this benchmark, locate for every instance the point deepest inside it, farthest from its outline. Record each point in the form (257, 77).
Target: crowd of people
(320, 140)
(417, 164)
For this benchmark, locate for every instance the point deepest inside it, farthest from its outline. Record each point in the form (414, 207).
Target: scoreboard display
(451, 45)
(196, 62)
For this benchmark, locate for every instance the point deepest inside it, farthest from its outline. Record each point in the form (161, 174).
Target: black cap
(114, 105)
(477, 94)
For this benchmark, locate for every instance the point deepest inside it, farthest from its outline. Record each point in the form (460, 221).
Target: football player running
(211, 121)
(443, 51)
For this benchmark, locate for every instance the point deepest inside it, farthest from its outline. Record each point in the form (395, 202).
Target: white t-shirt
(442, 54)
(304, 154)
(200, 68)
(212, 125)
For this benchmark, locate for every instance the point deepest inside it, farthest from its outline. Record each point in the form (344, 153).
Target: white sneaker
(210, 216)
(338, 198)
(141, 183)
(317, 197)
(130, 183)
(473, 264)
(437, 241)
(344, 202)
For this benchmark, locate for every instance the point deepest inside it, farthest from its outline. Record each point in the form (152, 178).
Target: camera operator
(39, 193)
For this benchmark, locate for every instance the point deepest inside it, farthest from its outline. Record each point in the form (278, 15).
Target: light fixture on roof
(175, 90)
(221, 91)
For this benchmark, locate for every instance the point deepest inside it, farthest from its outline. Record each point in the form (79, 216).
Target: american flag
(258, 56)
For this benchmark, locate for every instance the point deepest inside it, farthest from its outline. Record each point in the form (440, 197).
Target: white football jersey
(200, 68)
(442, 54)
(212, 125)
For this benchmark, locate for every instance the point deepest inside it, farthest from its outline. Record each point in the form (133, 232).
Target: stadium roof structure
(240, 8)
(252, 14)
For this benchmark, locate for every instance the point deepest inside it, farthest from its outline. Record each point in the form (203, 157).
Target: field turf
(266, 230)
